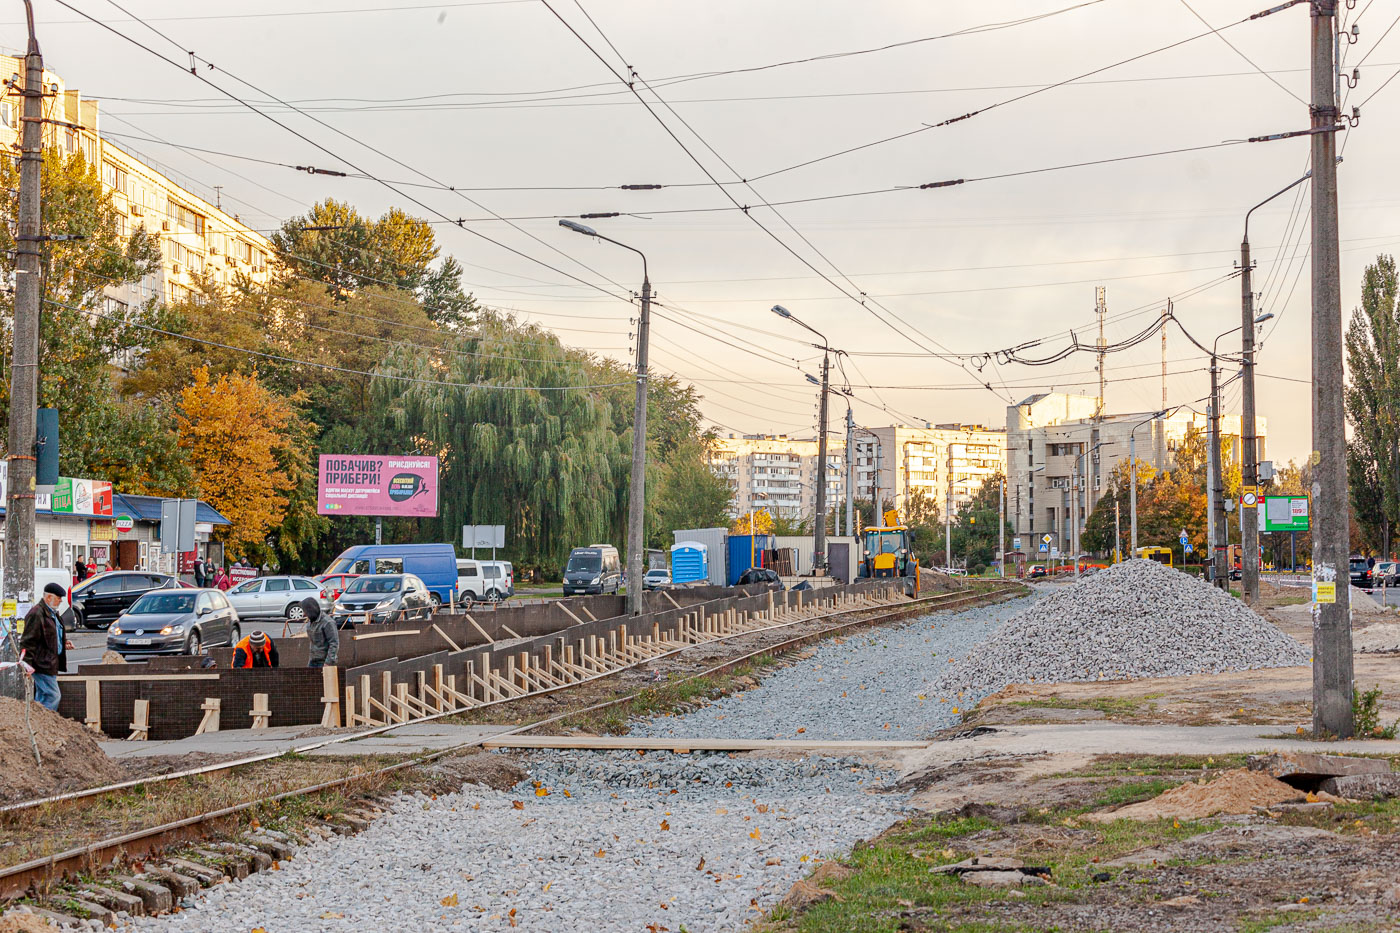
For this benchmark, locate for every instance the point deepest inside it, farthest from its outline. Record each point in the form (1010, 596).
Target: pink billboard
(390, 486)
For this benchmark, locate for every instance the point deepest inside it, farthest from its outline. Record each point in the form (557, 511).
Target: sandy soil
(69, 754)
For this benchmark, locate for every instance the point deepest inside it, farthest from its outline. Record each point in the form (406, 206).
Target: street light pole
(1249, 445)
(1132, 480)
(1220, 535)
(636, 497)
(819, 540)
(24, 373)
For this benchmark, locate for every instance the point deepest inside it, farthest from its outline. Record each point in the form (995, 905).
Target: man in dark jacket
(321, 631)
(44, 647)
(257, 650)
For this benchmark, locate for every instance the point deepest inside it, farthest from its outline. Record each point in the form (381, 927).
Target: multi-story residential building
(777, 473)
(945, 462)
(197, 238)
(1052, 435)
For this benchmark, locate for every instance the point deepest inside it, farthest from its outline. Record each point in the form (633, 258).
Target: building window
(184, 217)
(7, 114)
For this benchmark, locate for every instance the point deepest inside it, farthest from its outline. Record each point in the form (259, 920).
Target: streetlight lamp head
(1264, 317)
(812, 379)
(780, 311)
(578, 227)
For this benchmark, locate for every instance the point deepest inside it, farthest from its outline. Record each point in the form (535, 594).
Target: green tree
(1373, 405)
(686, 493)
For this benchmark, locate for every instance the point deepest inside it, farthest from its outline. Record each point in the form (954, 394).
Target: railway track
(17, 880)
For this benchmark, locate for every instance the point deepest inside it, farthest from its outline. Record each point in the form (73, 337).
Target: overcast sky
(498, 94)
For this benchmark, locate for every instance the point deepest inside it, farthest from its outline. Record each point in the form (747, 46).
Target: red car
(335, 583)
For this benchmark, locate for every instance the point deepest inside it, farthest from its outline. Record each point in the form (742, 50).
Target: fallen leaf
(756, 834)
(721, 811)
(332, 915)
(512, 917)
(701, 866)
(805, 858)
(567, 794)
(774, 861)
(665, 825)
(762, 808)
(600, 853)
(449, 901)
(465, 876)
(801, 729)
(517, 804)
(541, 792)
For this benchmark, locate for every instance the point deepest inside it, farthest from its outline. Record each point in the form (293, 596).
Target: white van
(485, 581)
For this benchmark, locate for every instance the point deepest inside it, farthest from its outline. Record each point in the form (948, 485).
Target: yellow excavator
(886, 549)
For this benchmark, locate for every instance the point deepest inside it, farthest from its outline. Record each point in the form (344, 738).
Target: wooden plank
(511, 632)
(352, 715)
(210, 722)
(74, 678)
(672, 601)
(633, 743)
(570, 614)
(94, 706)
(414, 631)
(454, 645)
(260, 712)
(591, 616)
(141, 722)
(330, 698)
(479, 630)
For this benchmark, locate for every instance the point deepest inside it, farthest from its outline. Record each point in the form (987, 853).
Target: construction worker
(256, 650)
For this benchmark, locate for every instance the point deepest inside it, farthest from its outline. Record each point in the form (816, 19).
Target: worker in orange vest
(257, 650)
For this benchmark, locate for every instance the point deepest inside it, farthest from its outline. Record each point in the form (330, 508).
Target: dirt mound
(1236, 791)
(72, 759)
(1379, 636)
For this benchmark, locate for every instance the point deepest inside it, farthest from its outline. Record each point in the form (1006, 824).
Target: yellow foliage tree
(236, 434)
(762, 523)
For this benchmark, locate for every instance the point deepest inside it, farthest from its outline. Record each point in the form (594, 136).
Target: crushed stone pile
(72, 759)
(1236, 791)
(1135, 619)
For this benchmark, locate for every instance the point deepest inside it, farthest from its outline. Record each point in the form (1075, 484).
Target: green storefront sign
(1284, 513)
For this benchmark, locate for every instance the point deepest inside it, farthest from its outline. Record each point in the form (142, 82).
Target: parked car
(435, 565)
(484, 581)
(1385, 573)
(1361, 572)
(759, 575)
(656, 578)
(175, 621)
(593, 569)
(386, 598)
(1037, 572)
(99, 600)
(335, 583)
(276, 597)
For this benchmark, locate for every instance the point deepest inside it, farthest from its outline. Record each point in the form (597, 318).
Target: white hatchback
(485, 581)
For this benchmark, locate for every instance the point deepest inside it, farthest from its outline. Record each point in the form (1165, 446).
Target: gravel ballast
(1135, 619)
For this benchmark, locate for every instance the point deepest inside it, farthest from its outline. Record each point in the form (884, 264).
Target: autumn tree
(242, 444)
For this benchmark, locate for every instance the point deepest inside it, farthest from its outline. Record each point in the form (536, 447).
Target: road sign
(1054, 552)
(1044, 548)
(1183, 537)
(483, 536)
(1016, 543)
(1188, 546)
(1046, 538)
(1249, 497)
(1285, 513)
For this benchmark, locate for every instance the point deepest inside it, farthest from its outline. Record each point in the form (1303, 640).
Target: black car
(1037, 572)
(1361, 572)
(181, 621)
(384, 597)
(99, 600)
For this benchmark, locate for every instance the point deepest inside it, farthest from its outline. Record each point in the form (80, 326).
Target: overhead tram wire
(452, 4)
(326, 366)
(1234, 48)
(862, 300)
(327, 151)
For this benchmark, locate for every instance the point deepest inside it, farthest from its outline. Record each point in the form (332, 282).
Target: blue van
(434, 564)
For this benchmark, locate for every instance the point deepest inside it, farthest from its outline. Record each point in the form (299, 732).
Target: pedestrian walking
(221, 579)
(321, 630)
(80, 571)
(256, 650)
(201, 576)
(44, 647)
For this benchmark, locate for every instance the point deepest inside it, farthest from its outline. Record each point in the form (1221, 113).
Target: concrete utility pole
(1001, 525)
(24, 376)
(1219, 544)
(1332, 651)
(819, 539)
(850, 472)
(636, 494)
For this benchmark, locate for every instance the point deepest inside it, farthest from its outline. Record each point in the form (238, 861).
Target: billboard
(389, 486)
(1284, 513)
(82, 496)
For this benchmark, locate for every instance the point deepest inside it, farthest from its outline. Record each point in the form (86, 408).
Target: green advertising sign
(63, 495)
(1284, 513)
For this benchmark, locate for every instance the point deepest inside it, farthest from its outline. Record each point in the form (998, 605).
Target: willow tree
(520, 444)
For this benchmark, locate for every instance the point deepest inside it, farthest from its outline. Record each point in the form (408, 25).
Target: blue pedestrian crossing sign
(1188, 547)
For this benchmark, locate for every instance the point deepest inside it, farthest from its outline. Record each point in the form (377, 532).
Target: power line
(1234, 48)
(290, 13)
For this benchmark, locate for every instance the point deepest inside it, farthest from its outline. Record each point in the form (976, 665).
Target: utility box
(690, 562)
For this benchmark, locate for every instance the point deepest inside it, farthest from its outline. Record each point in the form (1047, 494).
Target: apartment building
(197, 238)
(1052, 435)
(944, 461)
(777, 473)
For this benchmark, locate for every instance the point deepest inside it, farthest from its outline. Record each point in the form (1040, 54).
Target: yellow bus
(1162, 555)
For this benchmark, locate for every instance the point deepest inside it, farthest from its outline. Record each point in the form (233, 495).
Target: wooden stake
(261, 713)
(437, 685)
(210, 722)
(591, 616)
(570, 614)
(141, 722)
(330, 698)
(94, 705)
(365, 698)
(352, 715)
(480, 631)
(445, 638)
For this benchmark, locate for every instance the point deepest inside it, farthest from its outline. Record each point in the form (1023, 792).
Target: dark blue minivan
(434, 564)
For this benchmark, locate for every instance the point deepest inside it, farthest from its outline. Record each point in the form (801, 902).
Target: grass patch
(1110, 707)
(1154, 765)
(1133, 792)
(1273, 921)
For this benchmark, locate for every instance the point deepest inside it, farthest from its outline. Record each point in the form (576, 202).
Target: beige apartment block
(946, 462)
(1051, 435)
(777, 473)
(197, 238)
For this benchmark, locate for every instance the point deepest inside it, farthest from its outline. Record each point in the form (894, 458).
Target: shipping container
(746, 551)
(716, 553)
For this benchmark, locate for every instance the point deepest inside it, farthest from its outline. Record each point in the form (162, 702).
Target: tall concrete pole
(1074, 512)
(24, 375)
(1001, 526)
(1332, 651)
(1219, 545)
(819, 544)
(1249, 453)
(850, 472)
(636, 495)
(1132, 494)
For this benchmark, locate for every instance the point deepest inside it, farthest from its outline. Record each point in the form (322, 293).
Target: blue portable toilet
(746, 552)
(690, 562)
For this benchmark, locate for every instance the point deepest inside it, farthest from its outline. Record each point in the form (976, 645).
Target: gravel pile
(618, 842)
(875, 684)
(1135, 619)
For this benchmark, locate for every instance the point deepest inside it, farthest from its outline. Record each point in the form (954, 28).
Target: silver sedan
(277, 598)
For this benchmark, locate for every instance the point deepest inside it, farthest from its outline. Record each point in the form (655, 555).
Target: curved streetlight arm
(589, 231)
(784, 312)
(1283, 191)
